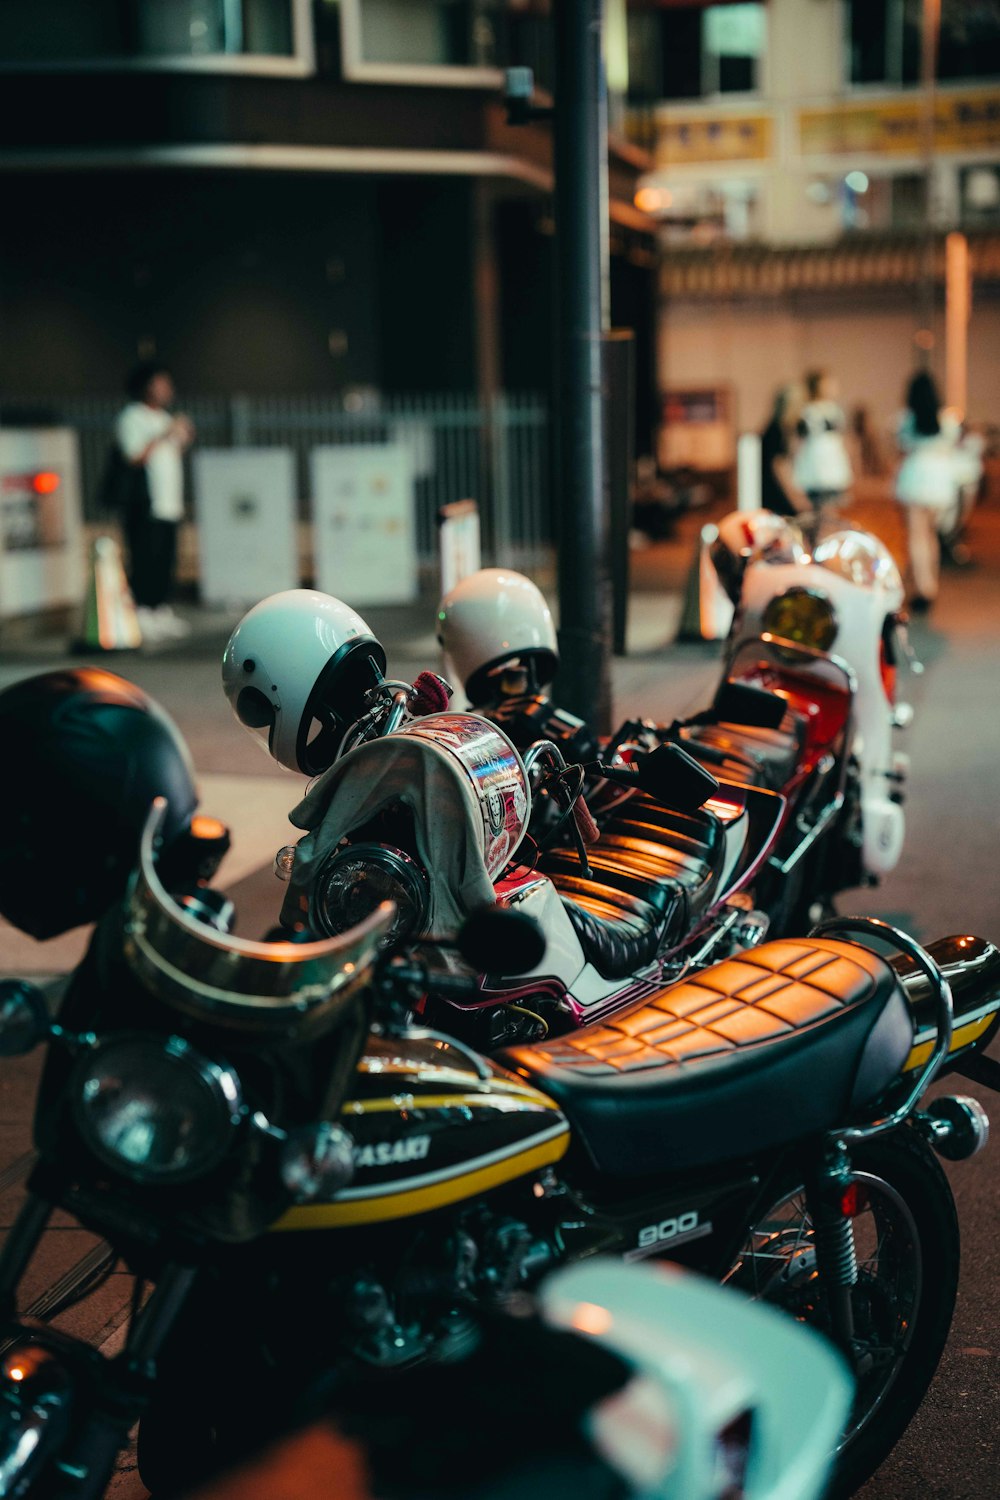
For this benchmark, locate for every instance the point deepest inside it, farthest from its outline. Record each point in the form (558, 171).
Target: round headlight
(155, 1109)
(803, 616)
(355, 880)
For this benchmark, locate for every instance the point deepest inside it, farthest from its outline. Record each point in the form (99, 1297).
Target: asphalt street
(947, 882)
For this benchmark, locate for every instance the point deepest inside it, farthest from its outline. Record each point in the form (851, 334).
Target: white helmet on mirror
(296, 670)
(493, 619)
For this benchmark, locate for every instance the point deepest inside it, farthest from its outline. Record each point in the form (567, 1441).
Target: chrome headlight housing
(155, 1109)
(358, 878)
(804, 616)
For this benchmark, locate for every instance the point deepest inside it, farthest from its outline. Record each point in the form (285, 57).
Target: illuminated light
(804, 616)
(16, 1372)
(857, 182)
(203, 827)
(45, 482)
(853, 1199)
(588, 1317)
(651, 200)
(924, 338)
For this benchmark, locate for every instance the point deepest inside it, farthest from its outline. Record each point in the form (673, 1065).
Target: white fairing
(858, 575)
(703, 1356)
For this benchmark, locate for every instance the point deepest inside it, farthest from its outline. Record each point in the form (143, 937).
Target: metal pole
(929, 38)
(581, 204)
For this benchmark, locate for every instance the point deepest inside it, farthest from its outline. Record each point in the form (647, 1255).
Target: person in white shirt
(820, 465)
(928, 481)
(153, 440)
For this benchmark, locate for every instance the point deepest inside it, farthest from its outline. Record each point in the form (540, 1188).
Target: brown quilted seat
(785, 1040)
(751, 756)
(653, 871)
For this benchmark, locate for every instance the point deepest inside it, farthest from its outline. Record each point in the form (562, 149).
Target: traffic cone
(707, 613)
(110, 622)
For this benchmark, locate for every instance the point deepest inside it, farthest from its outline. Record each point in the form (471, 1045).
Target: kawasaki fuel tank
(433, 1124)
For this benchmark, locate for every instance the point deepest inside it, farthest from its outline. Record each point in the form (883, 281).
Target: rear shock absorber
(833, 1201)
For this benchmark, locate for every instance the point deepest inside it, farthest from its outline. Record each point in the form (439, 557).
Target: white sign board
(459, 543)
(363, 541)
(42, 562)
(244, 502)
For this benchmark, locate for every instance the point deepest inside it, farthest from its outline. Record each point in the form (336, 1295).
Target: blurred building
(804, 181)
(280, 196)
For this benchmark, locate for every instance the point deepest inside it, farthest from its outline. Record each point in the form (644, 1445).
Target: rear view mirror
(743, 703)
(668, 774)
(499, 941)
(675, 778)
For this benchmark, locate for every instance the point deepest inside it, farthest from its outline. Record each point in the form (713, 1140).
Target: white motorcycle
(847, 600)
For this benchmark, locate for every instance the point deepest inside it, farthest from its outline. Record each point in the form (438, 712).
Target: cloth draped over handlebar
(447, 826)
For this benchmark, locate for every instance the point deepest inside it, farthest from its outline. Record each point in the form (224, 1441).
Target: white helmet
(296, 670)
(492, 618)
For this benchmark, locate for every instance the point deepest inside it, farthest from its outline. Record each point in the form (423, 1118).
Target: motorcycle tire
(915, 1227)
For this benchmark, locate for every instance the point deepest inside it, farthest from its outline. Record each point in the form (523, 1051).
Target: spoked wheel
(907, 1246)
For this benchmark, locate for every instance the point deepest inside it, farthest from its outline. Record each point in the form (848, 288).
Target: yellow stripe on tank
(407, 1101)
(346, 1212)
(962, 1036)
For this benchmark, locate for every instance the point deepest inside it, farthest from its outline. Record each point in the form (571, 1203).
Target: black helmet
(85, 754)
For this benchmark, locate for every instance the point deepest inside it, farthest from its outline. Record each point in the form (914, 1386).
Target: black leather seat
(784, 1041)
(750, 755)
(653, 871)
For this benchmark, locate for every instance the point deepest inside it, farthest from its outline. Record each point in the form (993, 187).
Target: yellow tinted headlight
(803, 616)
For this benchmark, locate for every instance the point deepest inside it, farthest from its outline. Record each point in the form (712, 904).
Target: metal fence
(494, 452)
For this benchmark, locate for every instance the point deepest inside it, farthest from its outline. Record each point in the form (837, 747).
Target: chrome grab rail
(945, 1018)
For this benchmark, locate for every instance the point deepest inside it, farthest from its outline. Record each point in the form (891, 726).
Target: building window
(691, 51)
(226, 35)
(450, 43)
(884, 40)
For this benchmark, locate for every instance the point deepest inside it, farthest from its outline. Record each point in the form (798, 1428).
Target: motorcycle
(252, 1125)
(849, 596)
(430, 809)
(846, 830)
(200, 1091)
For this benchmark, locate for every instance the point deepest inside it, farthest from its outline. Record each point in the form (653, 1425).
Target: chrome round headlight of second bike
(804, 616)
(356, 879)
(155, 1109)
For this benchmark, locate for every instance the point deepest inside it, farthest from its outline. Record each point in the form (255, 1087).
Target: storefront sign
(961, 122)
(683, 138)
(244, 500)
(363, 539)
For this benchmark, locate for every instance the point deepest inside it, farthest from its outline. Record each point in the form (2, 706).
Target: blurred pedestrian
(821, 466)
(778, 491)
(927, 484)
(152, 441)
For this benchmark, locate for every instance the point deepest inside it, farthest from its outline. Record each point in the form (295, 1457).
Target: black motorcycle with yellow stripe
(318, 1191)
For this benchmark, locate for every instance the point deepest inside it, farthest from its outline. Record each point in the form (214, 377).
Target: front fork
(99, 1398)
